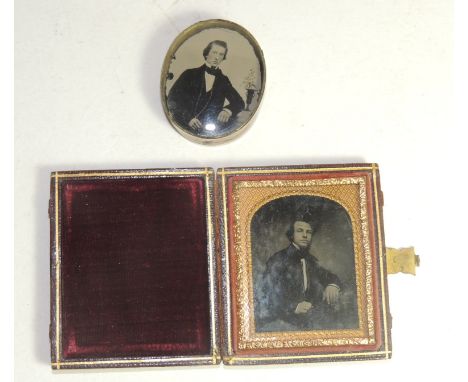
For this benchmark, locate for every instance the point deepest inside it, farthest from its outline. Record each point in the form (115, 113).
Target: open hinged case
(303, 264)
(285, 264)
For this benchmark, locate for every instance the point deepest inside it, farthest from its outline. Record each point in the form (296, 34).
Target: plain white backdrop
(347, 81)
(6, 192)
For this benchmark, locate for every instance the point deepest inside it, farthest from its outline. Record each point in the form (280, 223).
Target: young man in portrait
(203, 97)
(297, 290)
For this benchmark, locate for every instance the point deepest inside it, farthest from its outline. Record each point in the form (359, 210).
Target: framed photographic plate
(212, 81)
(303, 264)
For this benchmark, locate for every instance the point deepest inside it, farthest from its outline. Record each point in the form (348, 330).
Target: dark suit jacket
(188, 98)
(283, 283)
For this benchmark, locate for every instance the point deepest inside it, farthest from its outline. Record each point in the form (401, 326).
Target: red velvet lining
(134, 268)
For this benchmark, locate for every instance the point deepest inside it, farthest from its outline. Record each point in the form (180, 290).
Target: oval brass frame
(177, 43)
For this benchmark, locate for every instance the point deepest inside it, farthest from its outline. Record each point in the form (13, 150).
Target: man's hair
(215, 42)
(290, 231)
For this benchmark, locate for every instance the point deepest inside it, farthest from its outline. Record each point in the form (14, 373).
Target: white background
(347, 81)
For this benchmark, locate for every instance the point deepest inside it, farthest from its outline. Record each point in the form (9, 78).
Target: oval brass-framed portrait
(212, 81)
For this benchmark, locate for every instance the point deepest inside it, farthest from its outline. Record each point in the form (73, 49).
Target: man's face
(302, 234)
(215, 55)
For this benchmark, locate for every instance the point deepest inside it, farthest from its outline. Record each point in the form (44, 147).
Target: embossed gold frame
(356, 187)
(57, 361)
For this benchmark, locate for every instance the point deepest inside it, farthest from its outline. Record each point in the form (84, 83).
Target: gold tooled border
(226, 281)
(152, 361)
(211, 263)
(365, 334)
(247, 359)
(132, 361)
(230, 360)
(58, 334)
(381, 257)
(291, 170)
(125, 173)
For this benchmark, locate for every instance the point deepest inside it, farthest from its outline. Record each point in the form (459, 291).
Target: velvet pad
(134, 277)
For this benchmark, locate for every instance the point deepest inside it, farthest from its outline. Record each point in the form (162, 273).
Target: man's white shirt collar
(209, 79)
(297, 247)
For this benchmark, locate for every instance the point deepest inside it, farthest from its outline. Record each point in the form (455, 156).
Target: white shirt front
(304, 273)
(209, 81)
(304, 269)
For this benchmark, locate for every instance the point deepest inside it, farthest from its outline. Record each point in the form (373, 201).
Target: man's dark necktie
(213, 70)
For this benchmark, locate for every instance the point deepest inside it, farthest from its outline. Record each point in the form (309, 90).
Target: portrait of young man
(296, 292)
(203, 98)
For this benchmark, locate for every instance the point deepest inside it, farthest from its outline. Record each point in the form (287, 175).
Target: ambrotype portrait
(303, 266)
(212, 80)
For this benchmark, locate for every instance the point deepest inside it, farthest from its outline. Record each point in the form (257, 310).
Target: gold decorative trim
(212, 285)
(118, 174)
(58, 350)
(243, 214)
(381, 257)
(125, 173)
(233, 360)
(227, 281)
(131, 361)
(216, 356)
(291, 170)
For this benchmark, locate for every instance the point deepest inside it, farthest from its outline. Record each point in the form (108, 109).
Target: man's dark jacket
(283, 283)
(188, 98)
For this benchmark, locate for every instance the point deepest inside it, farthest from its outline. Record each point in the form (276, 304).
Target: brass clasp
(402, 260)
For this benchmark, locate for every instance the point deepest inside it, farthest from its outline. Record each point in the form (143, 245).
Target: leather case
(303, 264)
(157, 268)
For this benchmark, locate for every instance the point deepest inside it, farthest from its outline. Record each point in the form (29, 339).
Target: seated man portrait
(203, 98)
(297, 292)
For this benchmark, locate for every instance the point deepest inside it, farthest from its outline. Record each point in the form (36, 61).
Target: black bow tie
(213, 70)
(302, 253)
